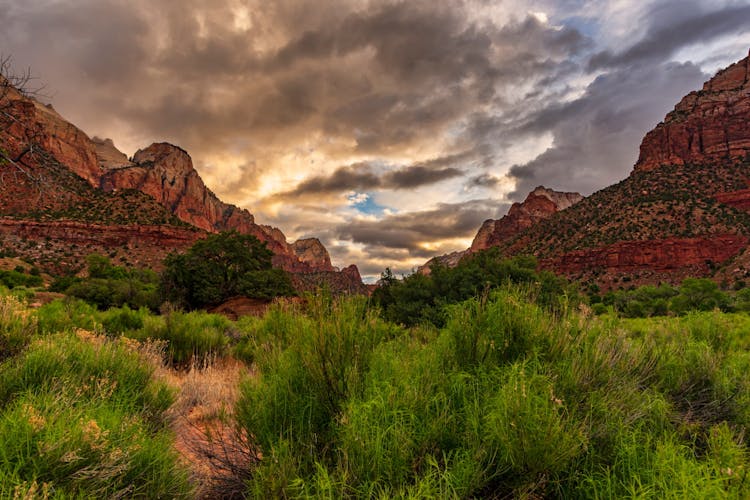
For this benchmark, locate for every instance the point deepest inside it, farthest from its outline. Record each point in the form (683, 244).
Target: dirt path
(205, 434)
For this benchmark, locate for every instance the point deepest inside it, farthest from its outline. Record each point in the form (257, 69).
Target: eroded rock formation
(540, 204)
(708, 124)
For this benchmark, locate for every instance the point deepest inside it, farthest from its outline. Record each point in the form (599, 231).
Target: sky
(390, 130)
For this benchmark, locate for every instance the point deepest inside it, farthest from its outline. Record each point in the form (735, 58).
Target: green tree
(700, 294)
(221, 266)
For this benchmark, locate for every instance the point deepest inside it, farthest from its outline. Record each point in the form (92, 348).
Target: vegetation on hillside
(107, 285)
(693, 294)
(671, 201)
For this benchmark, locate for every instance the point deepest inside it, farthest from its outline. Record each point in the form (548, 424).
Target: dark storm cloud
(596, 137)
(676, 24)
(366, 177)
(484, 180)
(372, 82)
(385, 76)
(409, 231)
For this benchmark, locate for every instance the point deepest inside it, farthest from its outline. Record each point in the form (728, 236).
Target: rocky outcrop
(52, 156)
(450, 260)
(312, 252)
(347, 281)
(738, 199)
(137, 245)
(108, 155)
(654, 255)
(707, 125)
(35, 126)
(166, 173)
(540, 204)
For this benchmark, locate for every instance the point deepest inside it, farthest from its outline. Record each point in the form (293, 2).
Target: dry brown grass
(219, 455)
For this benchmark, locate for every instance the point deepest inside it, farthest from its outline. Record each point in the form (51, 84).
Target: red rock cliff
(540, 204)
(32, 124)
(709, 124)
(166, 173)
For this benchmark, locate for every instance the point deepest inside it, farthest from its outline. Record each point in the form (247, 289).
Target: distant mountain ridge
(57, 182)
(683, 211)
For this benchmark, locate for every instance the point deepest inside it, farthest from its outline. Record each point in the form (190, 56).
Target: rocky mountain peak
(706, 125)
(108, 155)
(560, 199)
(540, 204)
(312, 251)
(39, 124)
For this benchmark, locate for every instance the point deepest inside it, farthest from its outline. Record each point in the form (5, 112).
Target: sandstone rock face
(737, 199)
(540, 204)
(710, 124)
(37, 125)
(108, 155)
(655, 255)
(166, 173)
(346, 281)
(450, 259)
(312, 251)
(142, 246)
(40, 139)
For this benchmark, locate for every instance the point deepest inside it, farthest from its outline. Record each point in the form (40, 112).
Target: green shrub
(112, 286)
(66, 315)
(118, 321)
(222, 266)
(16, 278)
(191, 337)
(419, 298)
(83, 417)
(530, 435)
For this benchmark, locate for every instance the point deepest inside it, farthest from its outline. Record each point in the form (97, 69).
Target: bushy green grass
(507, 400)
(194, 336)
(191, 337)
(17, 326)
(81, 417)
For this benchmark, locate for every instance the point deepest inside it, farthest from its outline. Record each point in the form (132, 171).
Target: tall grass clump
(83, 417)
(66, 315)
(192, 337)
(17, 326)
(506, 400)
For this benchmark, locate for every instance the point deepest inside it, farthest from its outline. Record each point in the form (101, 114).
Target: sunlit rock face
(37, 125)
(312, 251)
(86, 195)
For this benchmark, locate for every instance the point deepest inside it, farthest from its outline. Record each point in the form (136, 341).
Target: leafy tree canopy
(419, 298)
(221, 266)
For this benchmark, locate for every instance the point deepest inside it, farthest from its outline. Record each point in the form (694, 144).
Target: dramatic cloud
(596, 137)
(674, 25)
(366, 177)
(378, 124)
